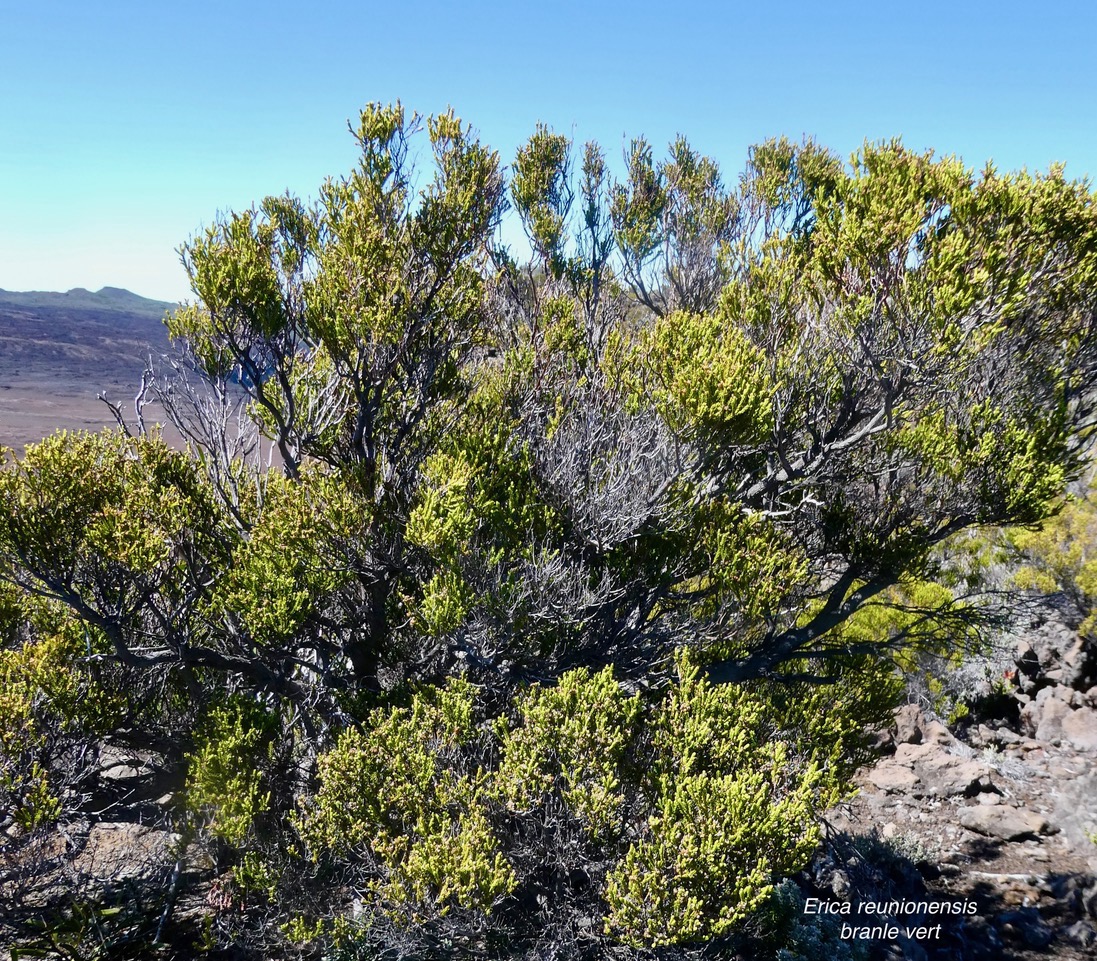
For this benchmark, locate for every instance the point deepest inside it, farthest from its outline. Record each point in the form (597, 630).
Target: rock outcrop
(999, 814)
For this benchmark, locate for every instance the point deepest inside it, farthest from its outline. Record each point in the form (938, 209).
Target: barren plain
(59, 351)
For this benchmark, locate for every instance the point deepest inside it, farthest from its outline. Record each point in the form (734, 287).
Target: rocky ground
(999, 810)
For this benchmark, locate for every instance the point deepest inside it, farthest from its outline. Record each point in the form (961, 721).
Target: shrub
(669, 817)
(225, 772)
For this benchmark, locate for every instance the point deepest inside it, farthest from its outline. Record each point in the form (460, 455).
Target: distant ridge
(96, 339)
(113, 299)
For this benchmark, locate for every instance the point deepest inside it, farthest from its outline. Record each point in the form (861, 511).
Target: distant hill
(59, 350)
(79, 335)
(110, 299)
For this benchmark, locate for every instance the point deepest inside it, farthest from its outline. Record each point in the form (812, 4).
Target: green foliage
(300, 931)
(1022, 460)
(366, 287)
(828, 712)
(639, 204)
(477, 488)
(49, 697)
(224, 790)
(706, 379)
(389, 793)
(475, 508)
(909, 617)
(283, 573)
(75, 501)
(720, 795)
(255, 874)
(732, 807)
(445, 519)
(745, 557)
(86, 931)
(695, 877)
(119, 531)
(563, 335)
(1061, 555)
(572, 737)
(542, 194)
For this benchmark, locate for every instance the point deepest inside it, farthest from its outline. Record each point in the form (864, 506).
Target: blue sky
(126, 126)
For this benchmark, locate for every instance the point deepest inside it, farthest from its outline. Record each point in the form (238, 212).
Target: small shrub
(732, 808)
(225, 774)
(392, 795)
(51, 704)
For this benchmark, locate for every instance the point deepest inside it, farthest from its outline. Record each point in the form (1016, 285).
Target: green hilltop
(78, 298)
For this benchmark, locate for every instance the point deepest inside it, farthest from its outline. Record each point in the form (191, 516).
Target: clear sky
(125, 126)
